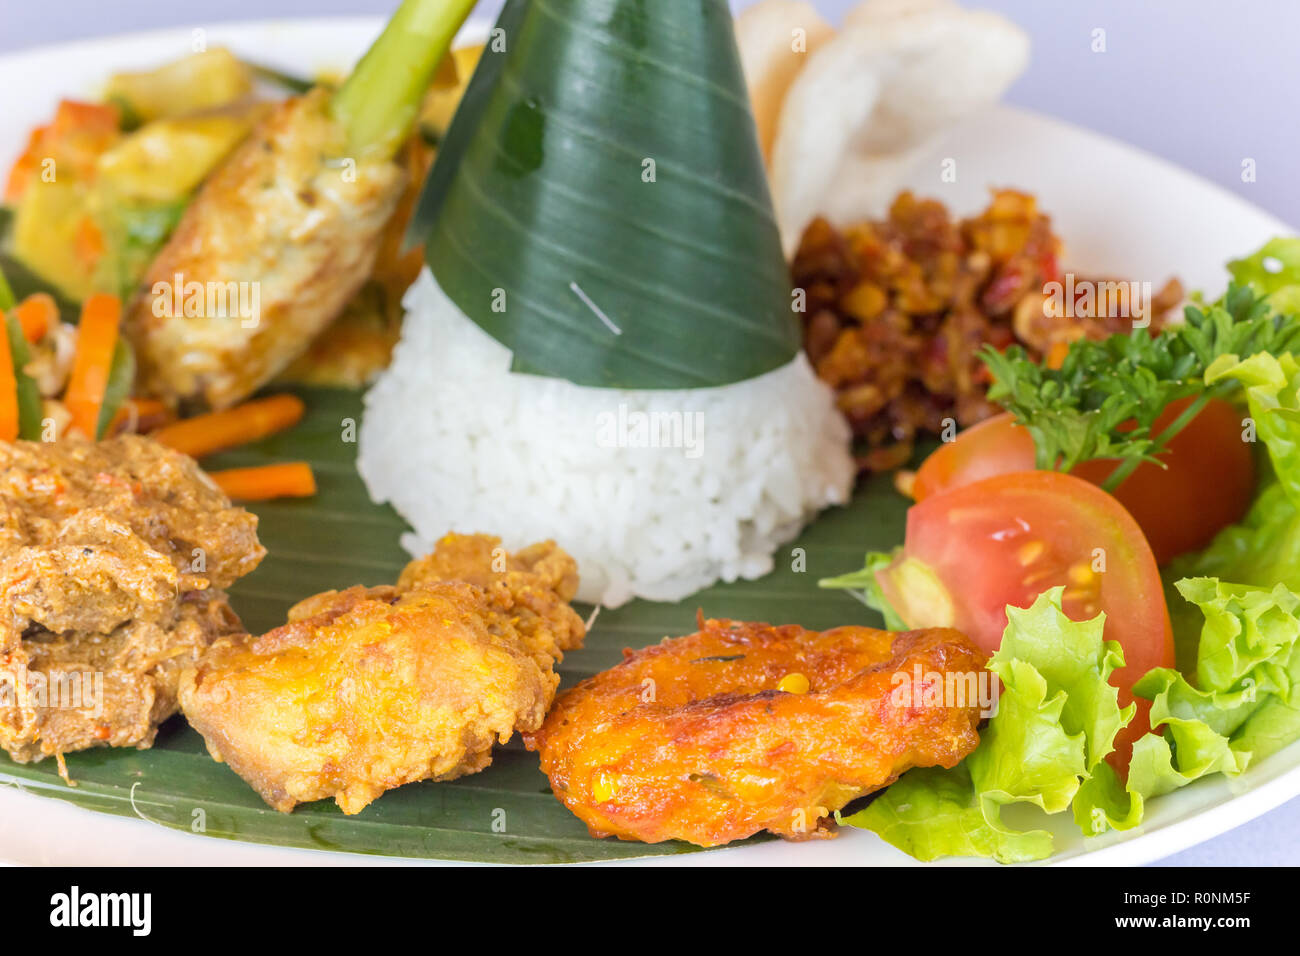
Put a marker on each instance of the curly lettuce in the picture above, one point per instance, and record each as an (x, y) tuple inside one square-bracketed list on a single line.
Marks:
[(1264, 548), (1058, 716), (1056, 721), (1272, 389), (1245, 703), (1273, 271)]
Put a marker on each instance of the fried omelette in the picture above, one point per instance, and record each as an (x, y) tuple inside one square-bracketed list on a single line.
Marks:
[(746, 727), (368, 689), (113, 557)]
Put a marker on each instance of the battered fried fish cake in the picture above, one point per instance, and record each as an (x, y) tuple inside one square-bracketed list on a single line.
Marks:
[(371, 688), (746, 727)]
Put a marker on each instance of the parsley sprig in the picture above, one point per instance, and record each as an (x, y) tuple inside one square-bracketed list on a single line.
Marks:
[(1105, 397)]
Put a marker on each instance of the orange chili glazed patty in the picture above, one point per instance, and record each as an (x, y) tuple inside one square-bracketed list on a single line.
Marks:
[(744, 727)]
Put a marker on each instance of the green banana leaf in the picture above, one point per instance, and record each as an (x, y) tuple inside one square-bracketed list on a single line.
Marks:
[(600, 206), (339, 538)]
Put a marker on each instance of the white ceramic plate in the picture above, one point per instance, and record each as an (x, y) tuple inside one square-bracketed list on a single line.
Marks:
[(1121, 211)]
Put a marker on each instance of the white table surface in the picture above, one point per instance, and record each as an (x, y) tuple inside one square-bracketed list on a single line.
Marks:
[(1204, 83)]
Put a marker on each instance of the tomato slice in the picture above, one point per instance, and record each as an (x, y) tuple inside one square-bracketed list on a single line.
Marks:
[(1004, 540), (995, 446), (1207, 482)]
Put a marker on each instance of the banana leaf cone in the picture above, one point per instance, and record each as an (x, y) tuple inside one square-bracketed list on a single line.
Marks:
[(600, 205)]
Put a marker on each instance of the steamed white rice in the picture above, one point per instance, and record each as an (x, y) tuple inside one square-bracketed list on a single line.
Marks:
[(457, 442)]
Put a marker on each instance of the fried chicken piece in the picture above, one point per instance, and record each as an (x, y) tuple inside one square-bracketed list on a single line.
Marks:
[(288, 211), (746, 727), (113, 557), (538, 582), (368, 689)]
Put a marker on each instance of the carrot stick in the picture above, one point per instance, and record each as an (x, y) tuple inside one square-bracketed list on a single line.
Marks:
[(8, 392), (23, 172), (216, 431), (139, 415), (37, 314), (96, 339), (78, 134), (289, 480), (88, 241)]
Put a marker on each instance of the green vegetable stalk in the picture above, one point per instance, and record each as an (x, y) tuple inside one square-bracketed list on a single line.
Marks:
[(378, 104), (1161, 441), (6, 294), (29, 396)]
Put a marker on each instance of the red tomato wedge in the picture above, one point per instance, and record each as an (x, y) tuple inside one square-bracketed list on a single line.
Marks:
[(1207, 482), (1004, 540), (995, 446)]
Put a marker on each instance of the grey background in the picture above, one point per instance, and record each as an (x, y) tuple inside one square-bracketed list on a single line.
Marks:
[(1204, 83)]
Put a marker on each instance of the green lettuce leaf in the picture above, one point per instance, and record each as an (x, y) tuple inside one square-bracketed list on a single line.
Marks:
[(1248, 635), (1275, 725), (1264, 548), (1245, 704), (1058, 716), (1075, 662), (1233, 701), (1103, 803), (1260, 551), (1272, 387), (1275, 271), (931, 813), (1056, 721)]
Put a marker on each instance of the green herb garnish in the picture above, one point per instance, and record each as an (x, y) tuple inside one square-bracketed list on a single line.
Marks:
[(1105, 398)]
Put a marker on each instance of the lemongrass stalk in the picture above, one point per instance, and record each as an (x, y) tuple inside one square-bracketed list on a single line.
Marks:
[(378, 104)]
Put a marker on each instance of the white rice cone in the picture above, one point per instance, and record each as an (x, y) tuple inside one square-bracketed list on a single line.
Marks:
[(457, 442)]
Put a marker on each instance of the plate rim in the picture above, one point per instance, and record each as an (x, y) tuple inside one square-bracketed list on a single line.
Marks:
[(1141, 848)]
